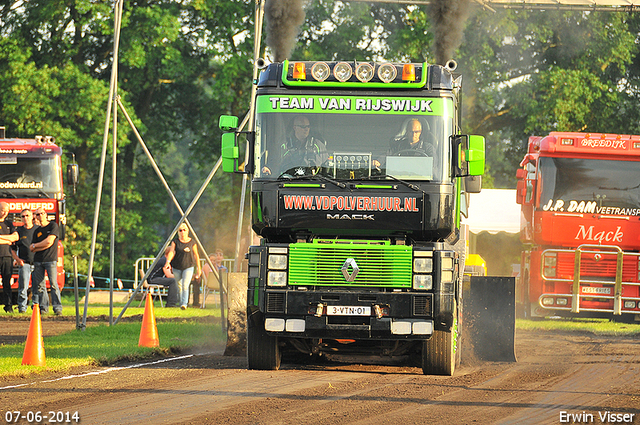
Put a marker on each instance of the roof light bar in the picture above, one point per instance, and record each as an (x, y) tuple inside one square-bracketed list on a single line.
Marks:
[(354, 74)]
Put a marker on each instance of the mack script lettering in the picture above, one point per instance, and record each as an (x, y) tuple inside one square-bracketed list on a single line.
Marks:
[(590, 234)]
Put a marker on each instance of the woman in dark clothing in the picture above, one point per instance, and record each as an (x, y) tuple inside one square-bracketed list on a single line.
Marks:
[(183, 258)]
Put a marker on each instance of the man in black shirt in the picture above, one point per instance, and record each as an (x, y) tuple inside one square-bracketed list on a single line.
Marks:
[(44, 245), (8, 236), (161, 276), (23, 257)]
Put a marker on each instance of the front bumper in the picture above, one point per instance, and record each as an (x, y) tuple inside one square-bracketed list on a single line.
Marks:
[(392, 315)]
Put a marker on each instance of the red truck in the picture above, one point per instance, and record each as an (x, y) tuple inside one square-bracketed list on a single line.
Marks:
[(580, 198), (31, 177)]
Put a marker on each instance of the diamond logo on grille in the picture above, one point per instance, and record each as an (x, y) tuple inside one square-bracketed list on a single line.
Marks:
[(350, 262)]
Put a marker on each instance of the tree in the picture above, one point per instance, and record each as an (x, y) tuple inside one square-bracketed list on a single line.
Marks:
[(539, 71), (181, 65)]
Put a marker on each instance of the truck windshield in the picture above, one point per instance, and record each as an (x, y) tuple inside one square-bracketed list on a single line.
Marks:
[(344, 146), (22, 177), (589, 186)]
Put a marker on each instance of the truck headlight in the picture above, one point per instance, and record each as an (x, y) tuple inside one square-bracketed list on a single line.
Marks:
[(550, 260), (277, 262), (446, 263), (277, 278), (422, 265), (423, 281), (550, 264), (447, 276)]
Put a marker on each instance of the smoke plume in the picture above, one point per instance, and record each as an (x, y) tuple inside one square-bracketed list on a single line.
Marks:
[(448, 17), (283, 19)]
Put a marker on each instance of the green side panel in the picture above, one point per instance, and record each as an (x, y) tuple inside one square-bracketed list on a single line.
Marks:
[(380, 264), (314, 185)]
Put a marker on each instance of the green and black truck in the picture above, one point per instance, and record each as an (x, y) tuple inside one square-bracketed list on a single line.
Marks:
[(359, 226)]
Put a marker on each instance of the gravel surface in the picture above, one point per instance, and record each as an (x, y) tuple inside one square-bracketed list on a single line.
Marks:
[(556, 374)]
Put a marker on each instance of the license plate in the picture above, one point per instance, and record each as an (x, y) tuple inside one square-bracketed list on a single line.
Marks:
[(345, 310), (596, 290)]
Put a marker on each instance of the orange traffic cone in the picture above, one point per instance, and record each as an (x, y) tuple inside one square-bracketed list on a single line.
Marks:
[(149, 331), (34, 348)]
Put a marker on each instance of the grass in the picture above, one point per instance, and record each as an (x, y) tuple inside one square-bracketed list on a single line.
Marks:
[(594, 326), (101, 344)]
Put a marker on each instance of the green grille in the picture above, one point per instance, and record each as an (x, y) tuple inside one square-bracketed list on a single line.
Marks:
[(320, 263)]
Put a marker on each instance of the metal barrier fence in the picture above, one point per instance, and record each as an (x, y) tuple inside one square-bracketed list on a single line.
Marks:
[(142, 264)]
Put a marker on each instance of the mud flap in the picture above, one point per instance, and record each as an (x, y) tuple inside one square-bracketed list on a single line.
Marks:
[(237, 315), (489, 314)]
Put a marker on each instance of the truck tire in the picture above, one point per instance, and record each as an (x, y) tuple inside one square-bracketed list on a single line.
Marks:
[(263, 352), (440, 353)]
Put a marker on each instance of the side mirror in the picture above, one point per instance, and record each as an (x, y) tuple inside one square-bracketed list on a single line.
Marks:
[(73, 172), (230, 151), (521, 190), (475, 155), (470, 155)]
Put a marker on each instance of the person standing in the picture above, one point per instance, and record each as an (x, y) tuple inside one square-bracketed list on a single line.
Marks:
[(44, 245), (23, 257), (8, 236), (183, 257)]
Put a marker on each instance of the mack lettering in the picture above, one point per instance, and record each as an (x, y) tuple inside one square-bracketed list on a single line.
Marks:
[(370, 217), (591, 234)]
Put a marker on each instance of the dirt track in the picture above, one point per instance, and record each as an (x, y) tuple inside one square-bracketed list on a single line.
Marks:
[(556, 373)]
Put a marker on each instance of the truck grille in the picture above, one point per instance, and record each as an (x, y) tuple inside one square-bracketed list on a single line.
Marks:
[(275, 302), (421, 306), (604, 268), (320, 263)]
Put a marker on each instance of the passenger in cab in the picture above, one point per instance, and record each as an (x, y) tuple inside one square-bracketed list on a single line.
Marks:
[(411, 139)]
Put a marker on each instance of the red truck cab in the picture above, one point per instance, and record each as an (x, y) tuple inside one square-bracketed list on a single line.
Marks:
[(580, 198)]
